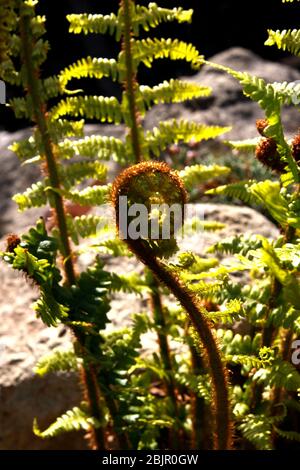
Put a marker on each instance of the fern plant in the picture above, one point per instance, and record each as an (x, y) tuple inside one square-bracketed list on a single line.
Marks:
[(115, 397), (223, 389)]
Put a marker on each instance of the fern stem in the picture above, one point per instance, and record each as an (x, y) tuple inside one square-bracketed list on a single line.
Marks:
[(130, 81), (41, 122), (123, 185), (217, 370), (164, 349), (201, 415)]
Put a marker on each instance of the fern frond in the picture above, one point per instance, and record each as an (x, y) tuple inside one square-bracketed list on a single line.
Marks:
[(206, 290), (258, 430), (35, 196), (76, 172), (173, 91), (89, 67), (56, 361), (92, 196), (232, 311), (168, 132), (290, 435), (147, 50), (86, 23), (21, 107), (51, 88), (85, 226), (244, 145), (153, 15), (270, 97), (102, 108), (62, 128), (73, 420), (198, 174), (287, 40), (25, 149), (95, 146), (266, 193), (114, 247), (238, 244), (281, 374), (49, 310), (130, 283)]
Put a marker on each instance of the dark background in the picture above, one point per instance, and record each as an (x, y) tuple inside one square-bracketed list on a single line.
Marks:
[(216, 26)]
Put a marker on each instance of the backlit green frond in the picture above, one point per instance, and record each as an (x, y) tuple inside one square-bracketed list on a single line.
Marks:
[(95, 146), (266, 193), (87, 23), (173, 91), (131, 283), (104, 109), (90, 67), (25, 149), (76, 172), (85, 226), (168, 132), (62, 128), (232, 311), (244, 145), (153, 15), (92, 196), (258, 430), (146, 50), (280, 374), (73, 420), (56, 361), (198, 174), (35, 196), (286, 40), (238, 244)]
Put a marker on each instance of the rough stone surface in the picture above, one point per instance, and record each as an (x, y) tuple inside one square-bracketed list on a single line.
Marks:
[(23, 339), (227, 105)]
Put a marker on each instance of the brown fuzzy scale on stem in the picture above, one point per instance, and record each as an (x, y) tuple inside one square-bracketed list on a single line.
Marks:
[(125, 185)]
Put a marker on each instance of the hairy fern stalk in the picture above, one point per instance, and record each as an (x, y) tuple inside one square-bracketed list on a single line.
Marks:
[(222, 390)]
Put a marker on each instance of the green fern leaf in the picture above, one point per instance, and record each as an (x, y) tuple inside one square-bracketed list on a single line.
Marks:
[(92, 196), (56, 361), (104, 109), (198, 174), (49, 310), (287, 40), (73, 420), (173, 91), (258, 430), (75, 173), (172, 131), (95, 146), (290, 435), (90, 67), (35, 196), (99, 24), (146, 50)]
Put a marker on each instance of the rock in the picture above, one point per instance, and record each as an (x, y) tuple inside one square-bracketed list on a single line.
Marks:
[(24, 339), (227, 105)]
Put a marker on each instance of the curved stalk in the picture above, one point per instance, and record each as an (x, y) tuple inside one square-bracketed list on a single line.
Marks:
[(123, 186)]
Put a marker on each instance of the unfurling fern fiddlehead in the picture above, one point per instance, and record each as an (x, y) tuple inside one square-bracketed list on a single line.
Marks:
[(153, 182)]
